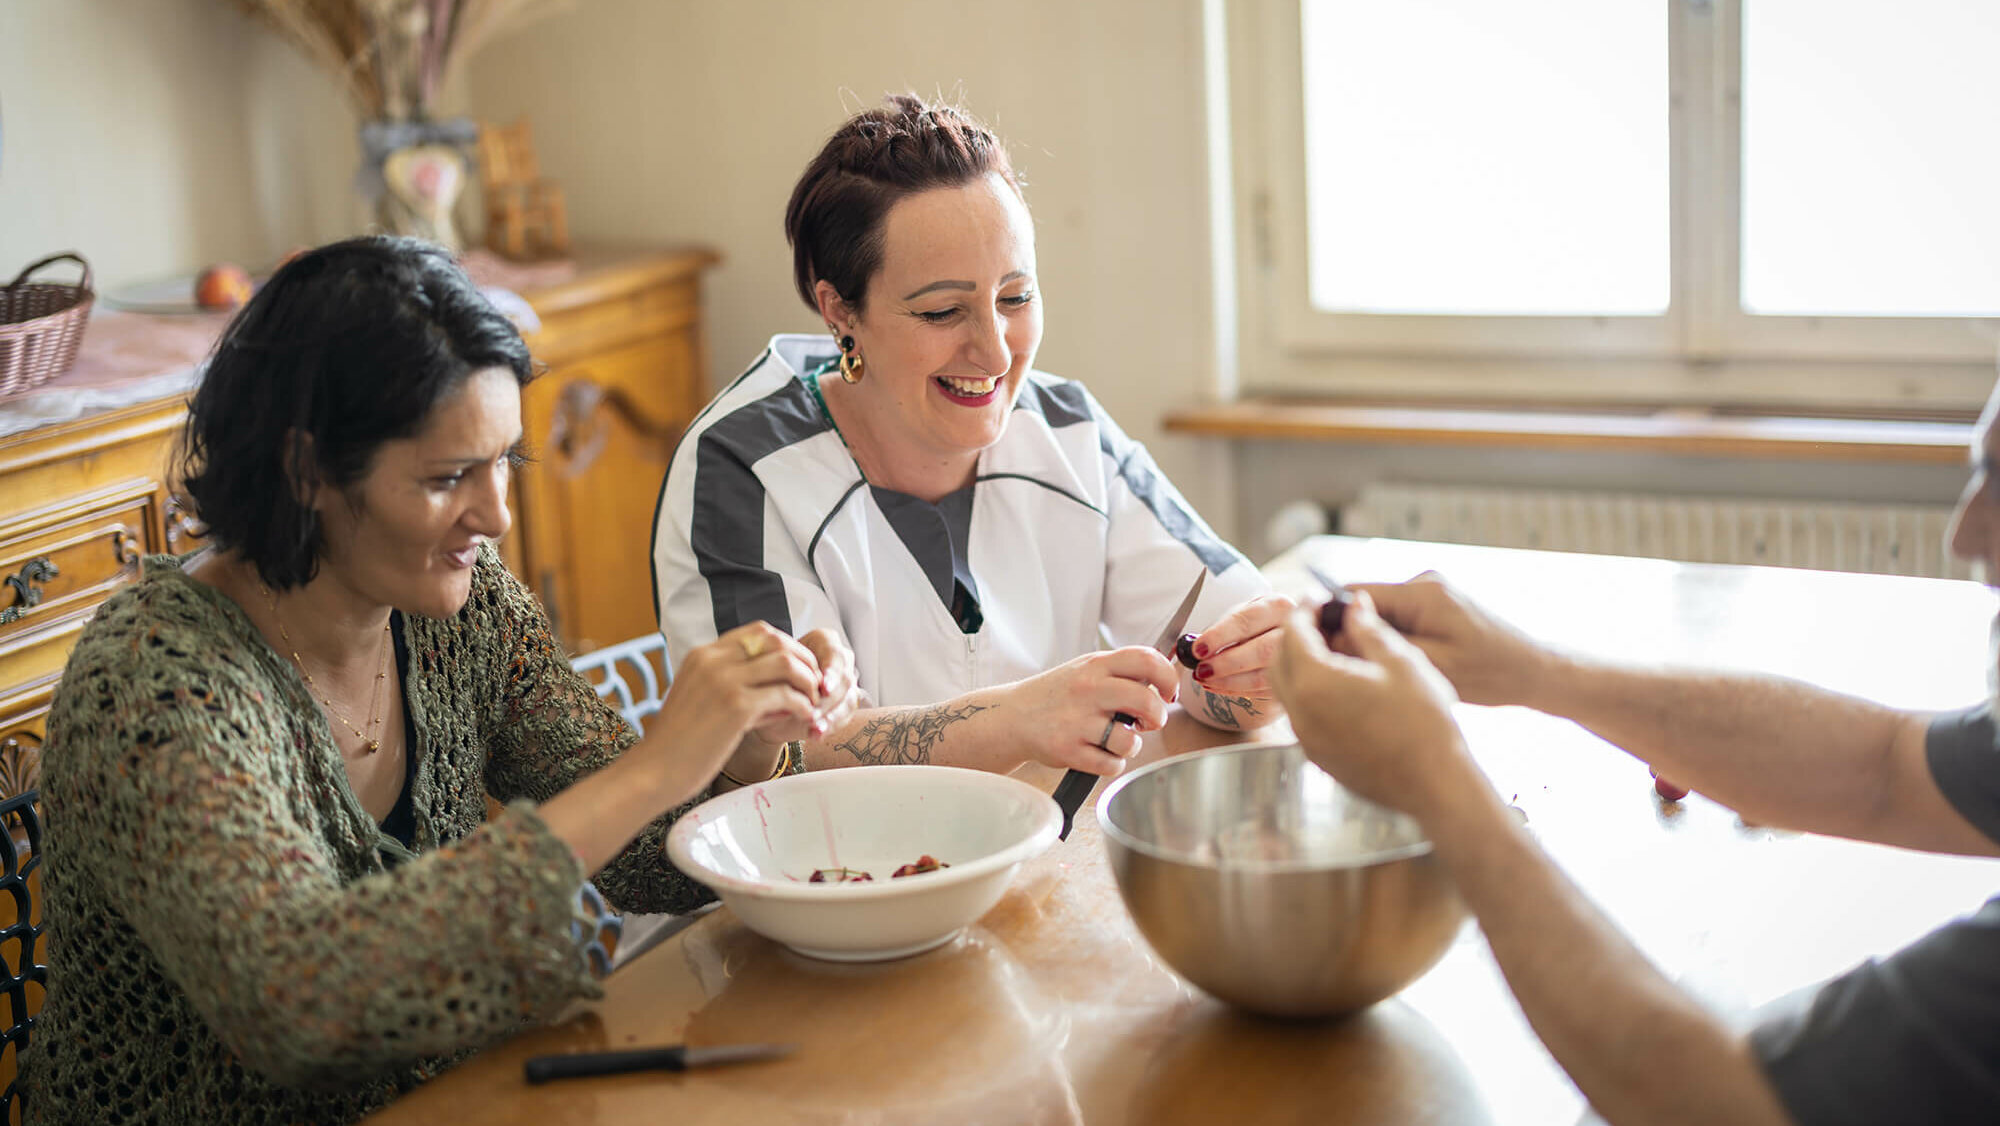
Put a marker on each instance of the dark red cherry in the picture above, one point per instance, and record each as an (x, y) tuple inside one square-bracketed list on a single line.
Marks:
[(1668, 790), (1332, 612), (1184, 651)]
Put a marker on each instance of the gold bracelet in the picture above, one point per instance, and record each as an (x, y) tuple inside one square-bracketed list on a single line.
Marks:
[(786, 755)]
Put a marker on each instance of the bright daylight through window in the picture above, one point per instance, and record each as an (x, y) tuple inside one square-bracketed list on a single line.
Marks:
[(1470, 157), (1871, 158), (1713, 182)]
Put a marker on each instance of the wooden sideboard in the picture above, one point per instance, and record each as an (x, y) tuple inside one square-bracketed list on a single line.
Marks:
[(627, 373), (81, 501)]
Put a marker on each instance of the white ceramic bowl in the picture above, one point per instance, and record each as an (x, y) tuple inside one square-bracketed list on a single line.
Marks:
[(758, 847)]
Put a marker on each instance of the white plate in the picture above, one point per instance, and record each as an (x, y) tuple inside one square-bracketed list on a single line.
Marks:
[(162, 295)]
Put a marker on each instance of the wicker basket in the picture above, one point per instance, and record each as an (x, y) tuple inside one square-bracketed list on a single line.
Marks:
[(41, 324)]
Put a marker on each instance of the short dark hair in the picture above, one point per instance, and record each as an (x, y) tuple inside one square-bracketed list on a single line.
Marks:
[(835, 217), (344, 348)]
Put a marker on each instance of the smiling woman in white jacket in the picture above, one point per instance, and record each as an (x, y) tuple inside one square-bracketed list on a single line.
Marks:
[(975, 529)]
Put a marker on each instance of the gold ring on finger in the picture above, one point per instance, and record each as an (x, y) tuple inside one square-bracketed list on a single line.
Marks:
[(753, 646)]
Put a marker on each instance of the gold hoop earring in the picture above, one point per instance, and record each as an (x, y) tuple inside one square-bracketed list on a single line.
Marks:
[(851, 364)]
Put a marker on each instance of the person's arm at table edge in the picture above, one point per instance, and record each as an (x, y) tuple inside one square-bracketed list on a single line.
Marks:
[(968, 730), (975, 730), (1778, 751), (1639, 1048), (1061, 717)]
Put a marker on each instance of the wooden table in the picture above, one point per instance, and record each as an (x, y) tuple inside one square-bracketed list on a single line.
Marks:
[(1052, 1009)]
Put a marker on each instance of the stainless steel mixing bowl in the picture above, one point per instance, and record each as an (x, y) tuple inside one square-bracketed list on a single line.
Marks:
[(1265, 882)]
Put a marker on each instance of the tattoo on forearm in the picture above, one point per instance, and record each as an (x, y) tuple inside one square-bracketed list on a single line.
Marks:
[(1222, 709), (905, 737)]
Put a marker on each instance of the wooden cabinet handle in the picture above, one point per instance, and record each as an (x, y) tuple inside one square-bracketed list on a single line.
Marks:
[(578, 431), (125, 544), (181, 526), (27, 595)]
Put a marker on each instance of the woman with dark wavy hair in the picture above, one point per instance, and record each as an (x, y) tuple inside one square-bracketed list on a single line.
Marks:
[(273, 891)]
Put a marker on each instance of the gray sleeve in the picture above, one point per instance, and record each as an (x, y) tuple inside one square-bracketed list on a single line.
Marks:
[(723, 554), (1913, 1038), (1964, 752)]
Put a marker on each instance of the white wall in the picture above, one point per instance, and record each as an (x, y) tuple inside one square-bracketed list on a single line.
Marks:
[(156, 136), (686, 120), (159, 137), (88, 165), (163, 135)]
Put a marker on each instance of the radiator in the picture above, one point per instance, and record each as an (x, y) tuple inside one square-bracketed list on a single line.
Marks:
[(1885, 539)]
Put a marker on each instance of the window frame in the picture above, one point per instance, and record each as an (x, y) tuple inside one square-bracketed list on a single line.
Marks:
[(1703, 350)]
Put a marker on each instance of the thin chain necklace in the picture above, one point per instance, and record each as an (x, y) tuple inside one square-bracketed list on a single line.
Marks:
[(374, 700)]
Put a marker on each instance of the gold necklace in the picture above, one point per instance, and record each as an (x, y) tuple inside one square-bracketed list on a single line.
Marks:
[(374, 700)]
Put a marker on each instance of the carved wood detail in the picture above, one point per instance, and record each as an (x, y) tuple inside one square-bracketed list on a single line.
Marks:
[(20, 770)]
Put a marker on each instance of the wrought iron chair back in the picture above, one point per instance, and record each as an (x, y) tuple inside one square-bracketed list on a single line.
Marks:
[(633, 674), (21, 941)]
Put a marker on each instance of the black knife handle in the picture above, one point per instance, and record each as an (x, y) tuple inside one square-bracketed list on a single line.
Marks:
[(1077, 784), (577, 1065), (1070, 792)]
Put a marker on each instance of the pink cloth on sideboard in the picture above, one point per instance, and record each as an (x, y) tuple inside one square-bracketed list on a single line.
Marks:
[(125, 358)]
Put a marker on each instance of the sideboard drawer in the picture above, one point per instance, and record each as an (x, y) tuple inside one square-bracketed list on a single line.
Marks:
[(57, 564)]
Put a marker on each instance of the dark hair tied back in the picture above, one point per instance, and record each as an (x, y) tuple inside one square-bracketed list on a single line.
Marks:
[(344, 348), (835, 217)]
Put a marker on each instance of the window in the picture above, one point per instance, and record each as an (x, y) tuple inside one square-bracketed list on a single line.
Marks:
[(1847, 113), (1778, 201), (1528, 144)]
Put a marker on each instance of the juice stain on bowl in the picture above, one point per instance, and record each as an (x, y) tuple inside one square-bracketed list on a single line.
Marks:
[(760, 801), (826, 824)]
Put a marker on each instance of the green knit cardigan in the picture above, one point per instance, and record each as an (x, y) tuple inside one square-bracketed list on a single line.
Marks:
[(226, 943)]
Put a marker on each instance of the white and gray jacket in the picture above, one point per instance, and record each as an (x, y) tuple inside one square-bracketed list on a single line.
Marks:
[(1069, 537)]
